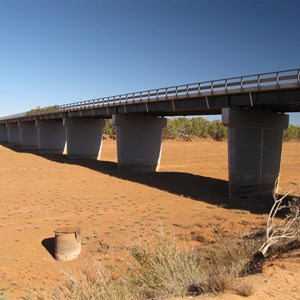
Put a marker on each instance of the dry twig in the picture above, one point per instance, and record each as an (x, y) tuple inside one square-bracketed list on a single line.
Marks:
[(287, 228)]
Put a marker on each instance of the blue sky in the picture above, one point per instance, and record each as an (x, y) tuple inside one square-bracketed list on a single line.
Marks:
[(56, 52)]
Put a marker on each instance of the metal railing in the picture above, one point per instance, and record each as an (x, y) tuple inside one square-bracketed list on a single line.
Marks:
[(240, 84)]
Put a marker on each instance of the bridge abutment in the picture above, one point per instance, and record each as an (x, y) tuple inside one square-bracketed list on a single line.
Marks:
[(3, 134), (13, 134), (51, 136), (84, 137), (139, 141), (28, 135), (254, 149)]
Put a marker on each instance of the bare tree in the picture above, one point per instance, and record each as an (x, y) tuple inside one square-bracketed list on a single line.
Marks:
[(282, 229)]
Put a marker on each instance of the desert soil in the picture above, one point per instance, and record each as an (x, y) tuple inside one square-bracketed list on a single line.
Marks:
[(116, 209)]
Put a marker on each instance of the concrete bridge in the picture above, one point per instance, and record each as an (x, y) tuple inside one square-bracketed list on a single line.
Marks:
[(253, 107)]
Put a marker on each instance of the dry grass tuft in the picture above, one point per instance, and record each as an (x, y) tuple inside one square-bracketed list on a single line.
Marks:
[(244, 289), (159, 271)]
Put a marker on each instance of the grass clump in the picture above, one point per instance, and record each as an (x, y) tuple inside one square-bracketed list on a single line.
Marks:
[(89, 281), (244, 289), (164, 270), (161, 270)]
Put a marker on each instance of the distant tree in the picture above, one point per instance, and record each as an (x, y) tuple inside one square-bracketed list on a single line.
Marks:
[(40, 110), (188, 128), (217, 131), (200, 127), (109, 129), (292, 133)]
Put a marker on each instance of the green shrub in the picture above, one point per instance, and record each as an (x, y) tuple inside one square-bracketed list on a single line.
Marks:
[(109, 128), (189, 128), (292, 133), (41, 110), (217, 131)]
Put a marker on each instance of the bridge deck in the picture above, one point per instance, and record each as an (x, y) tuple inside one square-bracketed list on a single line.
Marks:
[(275, 91)]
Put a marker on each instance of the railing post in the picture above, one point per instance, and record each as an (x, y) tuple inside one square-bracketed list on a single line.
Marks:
[(199, 89), (277, 79), (242, 83)]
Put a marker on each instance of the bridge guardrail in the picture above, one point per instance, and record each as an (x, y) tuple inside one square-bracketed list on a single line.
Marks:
[(254, 82)]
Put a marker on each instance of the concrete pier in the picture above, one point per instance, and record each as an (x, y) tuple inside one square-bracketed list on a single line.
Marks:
[(13, 134), (139, 141), (51, 136), (254, 149), (84, 137), (28, 135), (3, 133)]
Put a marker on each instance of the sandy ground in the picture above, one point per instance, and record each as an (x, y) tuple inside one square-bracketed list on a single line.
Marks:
[(113, 209)]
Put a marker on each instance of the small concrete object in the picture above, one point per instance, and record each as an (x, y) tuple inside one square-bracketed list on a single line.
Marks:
[(67, 243)]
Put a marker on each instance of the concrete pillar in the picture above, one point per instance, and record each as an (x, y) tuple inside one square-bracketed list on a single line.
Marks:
[(13, 134), (28, 135), (254, 149), (139, 140), (84, 137), (3, 133), (51, 136)]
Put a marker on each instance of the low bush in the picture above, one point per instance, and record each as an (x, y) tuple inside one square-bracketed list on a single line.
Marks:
[(292, 133), (198, 127), (109, 129), (161, 270)]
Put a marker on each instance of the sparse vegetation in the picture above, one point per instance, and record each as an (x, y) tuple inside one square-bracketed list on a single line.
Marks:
[(198, 127), (292, 133), (184, 128), (188, 128), (109, 129), (40, 110), (156, 271)]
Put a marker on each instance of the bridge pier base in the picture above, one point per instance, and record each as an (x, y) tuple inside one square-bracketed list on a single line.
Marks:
[(254, 149), (139, 140), (51, 136), (28, 135), (13, 134), (84, 138), (3, 134)]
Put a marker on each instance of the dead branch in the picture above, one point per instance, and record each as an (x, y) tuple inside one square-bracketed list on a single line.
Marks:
[(287, 228)]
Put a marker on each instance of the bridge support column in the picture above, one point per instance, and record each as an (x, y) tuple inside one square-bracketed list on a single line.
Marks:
[(254, 149), (84, 137), (51, 136), (139, 140), (28, 135), (13, 134), (3, 133)]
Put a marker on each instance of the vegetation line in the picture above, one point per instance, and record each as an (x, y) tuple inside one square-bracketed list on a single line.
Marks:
[(198, 127)]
